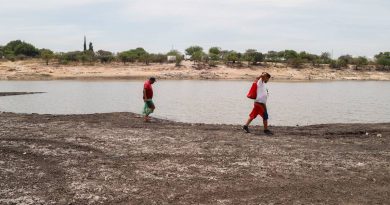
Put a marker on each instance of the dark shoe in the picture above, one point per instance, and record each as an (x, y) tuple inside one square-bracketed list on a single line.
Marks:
[(268, 132), (246, 129)]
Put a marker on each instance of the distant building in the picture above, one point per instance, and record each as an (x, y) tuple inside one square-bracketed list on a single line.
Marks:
[(171, 59), (187, 57)]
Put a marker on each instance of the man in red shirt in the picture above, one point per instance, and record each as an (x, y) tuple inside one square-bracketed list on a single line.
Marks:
[(147, 96)]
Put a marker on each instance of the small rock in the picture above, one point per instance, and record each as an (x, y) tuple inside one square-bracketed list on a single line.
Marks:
[(24, 152), (379, 135), (366, 133), (360, 164)]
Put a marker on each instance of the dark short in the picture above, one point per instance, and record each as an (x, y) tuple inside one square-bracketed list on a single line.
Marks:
[(150, 104)]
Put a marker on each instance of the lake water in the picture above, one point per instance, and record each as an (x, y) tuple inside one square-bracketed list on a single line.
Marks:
[(289, 103)]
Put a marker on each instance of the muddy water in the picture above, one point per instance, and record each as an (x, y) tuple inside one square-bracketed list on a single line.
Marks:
[(290, 103)]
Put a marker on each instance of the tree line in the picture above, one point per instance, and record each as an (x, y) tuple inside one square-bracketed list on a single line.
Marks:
[(20, 50)]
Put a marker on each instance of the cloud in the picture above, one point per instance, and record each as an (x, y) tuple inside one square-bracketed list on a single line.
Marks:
[(39, 5), (196, 16), (357, 26), (56, 37), (144, 10)]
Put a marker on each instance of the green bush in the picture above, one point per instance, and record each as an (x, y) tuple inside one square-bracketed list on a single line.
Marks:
[(71, 56), (179, 59), (104, 56), (20, 48), (383, 60), (213, 59), (253, 57), (1, 52), (197, 56), (46, 55), (295, 62), (337, 64), (194, 49), (346, 60), (231, 57), (272, 56), (127, 56), (325, 58), (215, 51), (360, 61), (158, 58)]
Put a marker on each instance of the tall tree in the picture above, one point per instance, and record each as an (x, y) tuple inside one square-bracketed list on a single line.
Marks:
[(85, 44), (90, 47), (326, 57), (197, 56), (193, 49), (215, 50)]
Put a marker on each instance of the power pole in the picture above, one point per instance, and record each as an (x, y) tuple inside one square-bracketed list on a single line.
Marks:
[(332, 54)]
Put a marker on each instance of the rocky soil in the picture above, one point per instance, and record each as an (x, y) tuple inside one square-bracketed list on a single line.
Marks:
[(116, 158)]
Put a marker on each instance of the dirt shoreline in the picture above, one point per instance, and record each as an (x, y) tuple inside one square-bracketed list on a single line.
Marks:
[(2, 94), (37, 70), (115, 158)]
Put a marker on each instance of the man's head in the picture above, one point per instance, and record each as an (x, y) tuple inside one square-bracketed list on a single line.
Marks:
[(152, 80), (265, 76)]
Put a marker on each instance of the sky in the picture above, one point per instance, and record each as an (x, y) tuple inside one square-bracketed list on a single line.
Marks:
[(356, 27)]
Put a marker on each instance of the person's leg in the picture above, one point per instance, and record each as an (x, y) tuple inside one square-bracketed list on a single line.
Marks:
[(248, 121), (264, 114), (148, 109), (151, 110), (147, 118), (252, 116), (265, 123), (152, 107)]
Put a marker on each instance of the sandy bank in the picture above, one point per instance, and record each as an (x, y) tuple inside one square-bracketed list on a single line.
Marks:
[(37, 70), (115, 158)]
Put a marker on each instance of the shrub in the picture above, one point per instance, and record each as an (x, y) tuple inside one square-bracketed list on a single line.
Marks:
[(104, 56), (383, 60), (18, 47), (46, 55), (193, 49)]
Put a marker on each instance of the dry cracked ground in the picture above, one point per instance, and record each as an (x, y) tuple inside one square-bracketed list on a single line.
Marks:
[(115, 158)]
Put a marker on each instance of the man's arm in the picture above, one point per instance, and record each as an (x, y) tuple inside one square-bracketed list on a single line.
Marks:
[(144, 97), (261, 76)]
